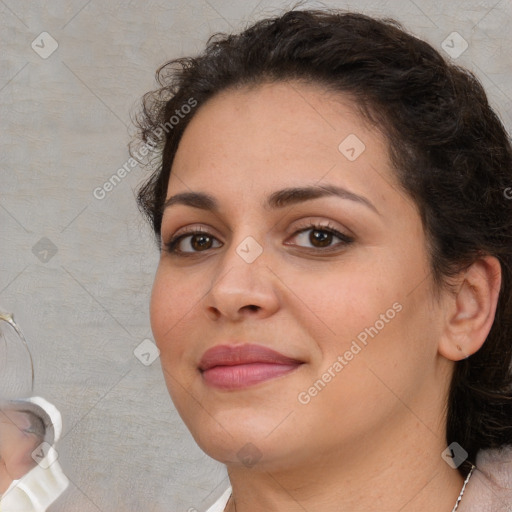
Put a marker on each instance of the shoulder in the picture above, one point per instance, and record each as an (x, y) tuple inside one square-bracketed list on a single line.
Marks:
[(490, 486)]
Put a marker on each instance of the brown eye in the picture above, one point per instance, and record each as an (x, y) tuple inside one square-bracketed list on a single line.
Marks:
[(318, 237), (191, 243), (200, 241)]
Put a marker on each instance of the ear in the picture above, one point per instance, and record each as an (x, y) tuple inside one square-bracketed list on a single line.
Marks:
[(470, 311)]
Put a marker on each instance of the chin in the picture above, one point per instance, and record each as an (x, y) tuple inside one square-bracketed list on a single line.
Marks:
[(236, 436), (242, 451)]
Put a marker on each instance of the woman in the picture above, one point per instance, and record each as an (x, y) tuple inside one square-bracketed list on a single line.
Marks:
[(21, 432), (333, 300), (31, 478)]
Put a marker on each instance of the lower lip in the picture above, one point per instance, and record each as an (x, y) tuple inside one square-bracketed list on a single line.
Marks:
[(244, 375)]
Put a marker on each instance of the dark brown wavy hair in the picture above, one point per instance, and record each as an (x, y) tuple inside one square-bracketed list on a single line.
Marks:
[(450, 151)]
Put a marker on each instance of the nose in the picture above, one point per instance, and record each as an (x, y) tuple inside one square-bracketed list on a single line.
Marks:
[(242, 287)]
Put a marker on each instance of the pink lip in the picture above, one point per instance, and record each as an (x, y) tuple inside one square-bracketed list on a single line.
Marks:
[(240, 366)]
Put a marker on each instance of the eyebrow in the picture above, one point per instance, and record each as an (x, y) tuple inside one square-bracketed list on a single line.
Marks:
[(279, 199)]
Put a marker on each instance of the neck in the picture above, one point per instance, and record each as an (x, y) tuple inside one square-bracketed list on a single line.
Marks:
[(407, 473)]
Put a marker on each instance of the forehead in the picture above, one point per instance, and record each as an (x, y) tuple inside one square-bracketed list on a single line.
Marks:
[(279, 115), (271, 136)]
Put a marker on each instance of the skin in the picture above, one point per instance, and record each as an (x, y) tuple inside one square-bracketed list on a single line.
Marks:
[(16, 447), (372, 438)]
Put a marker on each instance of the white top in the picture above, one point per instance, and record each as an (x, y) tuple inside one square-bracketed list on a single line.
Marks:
[(220, 504), (36, 490)]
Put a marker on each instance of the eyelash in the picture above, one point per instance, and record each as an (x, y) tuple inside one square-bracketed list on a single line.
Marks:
[(171, 245)]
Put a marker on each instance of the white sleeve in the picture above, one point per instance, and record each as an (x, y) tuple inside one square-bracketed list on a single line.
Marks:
[(220, 504)]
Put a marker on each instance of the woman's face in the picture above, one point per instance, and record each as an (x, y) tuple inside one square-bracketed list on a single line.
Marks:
[(16, 443), (351, 314)]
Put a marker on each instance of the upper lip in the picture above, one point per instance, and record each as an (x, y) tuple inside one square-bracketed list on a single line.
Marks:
[(231, 355)]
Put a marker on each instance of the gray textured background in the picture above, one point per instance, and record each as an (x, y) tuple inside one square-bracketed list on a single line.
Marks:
[(84, 308)]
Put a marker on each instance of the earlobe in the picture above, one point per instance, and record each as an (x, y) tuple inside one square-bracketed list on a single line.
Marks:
[(471, 310)]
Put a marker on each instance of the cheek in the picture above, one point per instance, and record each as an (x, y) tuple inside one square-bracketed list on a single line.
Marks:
[(387, 338), (158, 308), (369, 313), (17, 447), (173, 316), (168, 306), (174, 311), (340, 304), (22, 461)]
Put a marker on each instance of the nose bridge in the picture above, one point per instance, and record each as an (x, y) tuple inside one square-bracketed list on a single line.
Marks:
[(246, 247), (242, 278), (241, 264)]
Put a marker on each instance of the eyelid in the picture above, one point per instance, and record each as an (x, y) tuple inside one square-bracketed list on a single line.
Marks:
[(312, 222), (191, 230)]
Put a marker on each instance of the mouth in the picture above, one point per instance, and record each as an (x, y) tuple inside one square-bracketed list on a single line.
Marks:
[(231, 367)]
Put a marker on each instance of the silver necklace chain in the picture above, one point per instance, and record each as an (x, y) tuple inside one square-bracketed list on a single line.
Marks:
[(463, 488), (456, 503)]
